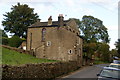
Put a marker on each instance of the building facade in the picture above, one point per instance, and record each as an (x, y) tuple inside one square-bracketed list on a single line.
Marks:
[(56, 40)]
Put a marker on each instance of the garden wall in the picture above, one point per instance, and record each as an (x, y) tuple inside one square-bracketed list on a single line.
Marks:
[(39, 71)]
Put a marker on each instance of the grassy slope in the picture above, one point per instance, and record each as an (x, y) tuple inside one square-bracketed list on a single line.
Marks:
[(100, 62), (14, 58)]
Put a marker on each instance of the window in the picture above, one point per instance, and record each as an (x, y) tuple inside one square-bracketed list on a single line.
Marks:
[(77, 33), (79, 52), (30, 41), (43, 34), (70, 29), (48, 43), (79, 41), (70, 51)]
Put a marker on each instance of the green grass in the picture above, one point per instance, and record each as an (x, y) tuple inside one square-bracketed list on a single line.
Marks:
[(11, 57), (100, 62), (0, 55)]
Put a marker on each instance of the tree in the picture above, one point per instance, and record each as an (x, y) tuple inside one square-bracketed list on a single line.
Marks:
[(89, 48), (3, 33), (113, 52), (117, 44), (103, 50), (3, 37), (93, 30), (18, 20), (15, 41)]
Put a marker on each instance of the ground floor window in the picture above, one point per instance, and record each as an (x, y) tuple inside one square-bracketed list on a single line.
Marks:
[(70, 51), (48, 43)]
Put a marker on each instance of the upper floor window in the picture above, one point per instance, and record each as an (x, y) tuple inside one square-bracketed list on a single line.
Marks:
[(30, 41), (79, 41), (43, 34)]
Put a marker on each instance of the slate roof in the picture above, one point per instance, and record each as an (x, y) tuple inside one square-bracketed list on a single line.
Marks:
[(45, 24)]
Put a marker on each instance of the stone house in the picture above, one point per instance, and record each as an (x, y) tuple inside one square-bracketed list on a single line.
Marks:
[(56, 40), (23, 45)]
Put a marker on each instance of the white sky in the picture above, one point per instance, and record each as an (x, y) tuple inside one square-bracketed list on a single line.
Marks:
[(105, 10)]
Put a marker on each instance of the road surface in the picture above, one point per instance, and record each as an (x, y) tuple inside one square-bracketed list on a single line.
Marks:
[(86, 73)]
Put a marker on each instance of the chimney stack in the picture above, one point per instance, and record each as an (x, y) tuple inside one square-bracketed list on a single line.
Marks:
[(50, 20), (38, 20), (60, 20)]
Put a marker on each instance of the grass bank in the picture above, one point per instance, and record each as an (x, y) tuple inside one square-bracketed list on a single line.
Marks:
[(11, 57)]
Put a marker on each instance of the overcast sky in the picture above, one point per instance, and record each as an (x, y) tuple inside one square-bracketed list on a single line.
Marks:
[(105, 10)]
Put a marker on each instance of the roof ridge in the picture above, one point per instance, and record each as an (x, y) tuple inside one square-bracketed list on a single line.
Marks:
[(54, 23)]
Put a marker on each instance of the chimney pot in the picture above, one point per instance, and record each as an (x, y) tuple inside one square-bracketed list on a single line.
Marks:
[(60, 14), (38, 20), (50, 20)]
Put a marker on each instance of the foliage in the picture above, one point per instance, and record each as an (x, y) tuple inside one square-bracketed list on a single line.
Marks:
[(18, 20), (4, 40), (89, 48), (23, 39), (113, 52), (117, 44), (14, 58), (93, 30), (15, 41), (3, 33), (100, 62), (3, 37), (103, 50), (95, 37)]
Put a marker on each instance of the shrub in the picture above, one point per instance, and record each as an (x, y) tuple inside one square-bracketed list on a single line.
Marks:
[(4, 40), (15, 41), (23, 39)]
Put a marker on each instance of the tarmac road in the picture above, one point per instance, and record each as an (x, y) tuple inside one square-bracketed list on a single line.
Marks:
[(86, 73)]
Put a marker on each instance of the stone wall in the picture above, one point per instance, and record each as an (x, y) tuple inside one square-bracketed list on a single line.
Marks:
[(64, 43), (39, 71), (42, 70), (86, 61), (18, 50)]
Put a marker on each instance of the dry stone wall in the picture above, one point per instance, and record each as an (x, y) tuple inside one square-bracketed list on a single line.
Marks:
[(38, 71), (18, 50)]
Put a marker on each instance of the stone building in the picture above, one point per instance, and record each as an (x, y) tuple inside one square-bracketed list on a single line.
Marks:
[(56, 40), (23, 45)]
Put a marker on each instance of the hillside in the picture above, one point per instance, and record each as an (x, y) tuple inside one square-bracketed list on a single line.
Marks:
[(15, 58)]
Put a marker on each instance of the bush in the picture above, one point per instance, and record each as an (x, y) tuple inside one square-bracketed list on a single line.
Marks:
[(4, 40), (15, 41), (23, 39)]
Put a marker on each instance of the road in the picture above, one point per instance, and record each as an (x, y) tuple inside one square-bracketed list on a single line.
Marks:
[(88, 72)]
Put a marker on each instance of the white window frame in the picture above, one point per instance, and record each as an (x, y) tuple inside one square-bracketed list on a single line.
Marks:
[(70, 51), (48, 43)]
